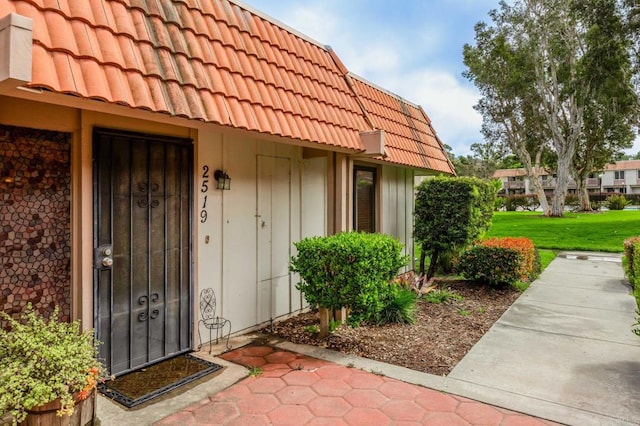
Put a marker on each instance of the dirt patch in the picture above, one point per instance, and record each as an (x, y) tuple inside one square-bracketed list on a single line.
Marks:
[(441, 336)]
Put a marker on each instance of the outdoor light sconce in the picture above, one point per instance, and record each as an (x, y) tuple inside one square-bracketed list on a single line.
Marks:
[(223, 181)]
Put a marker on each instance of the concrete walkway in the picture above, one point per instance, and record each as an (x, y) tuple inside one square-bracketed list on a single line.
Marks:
[(564, 351)]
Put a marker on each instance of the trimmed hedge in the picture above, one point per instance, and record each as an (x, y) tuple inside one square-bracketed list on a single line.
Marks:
[(450, 213), (500, 260), (631, 253), (631, 265), (350, 269)]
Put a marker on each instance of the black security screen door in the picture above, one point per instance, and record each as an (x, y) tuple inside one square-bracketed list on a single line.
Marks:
[(142, 247)]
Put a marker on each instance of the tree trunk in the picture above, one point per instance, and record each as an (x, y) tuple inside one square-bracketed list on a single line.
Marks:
[(532, 166), (562, 183), (433, 265), (539, 191), (583, 195), (423, 256)]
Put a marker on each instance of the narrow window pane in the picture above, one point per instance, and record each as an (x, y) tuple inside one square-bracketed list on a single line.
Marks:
[(364, 200)]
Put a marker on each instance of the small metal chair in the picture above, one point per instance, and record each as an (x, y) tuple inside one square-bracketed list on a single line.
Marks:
[(209, 319)]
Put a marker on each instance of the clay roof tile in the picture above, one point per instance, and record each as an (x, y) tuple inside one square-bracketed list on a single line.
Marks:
[(214, 60)]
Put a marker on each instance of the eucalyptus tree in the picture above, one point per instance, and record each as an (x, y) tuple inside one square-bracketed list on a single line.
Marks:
[(541, 78), (611, 104)]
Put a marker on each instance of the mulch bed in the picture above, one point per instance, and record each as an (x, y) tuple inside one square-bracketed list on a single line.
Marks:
[(441, 336)]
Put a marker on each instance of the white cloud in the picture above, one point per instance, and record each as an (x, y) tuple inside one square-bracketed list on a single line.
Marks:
[(448, 103), (401, 59), (317, 21)]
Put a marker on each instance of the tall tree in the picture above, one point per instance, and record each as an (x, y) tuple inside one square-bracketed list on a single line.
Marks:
[(535, 70), (611, 107)]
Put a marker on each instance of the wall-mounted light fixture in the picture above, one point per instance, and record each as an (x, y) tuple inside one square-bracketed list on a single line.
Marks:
[(223, 181)]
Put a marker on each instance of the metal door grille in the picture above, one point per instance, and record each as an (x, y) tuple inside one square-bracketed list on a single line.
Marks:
[(142, 216)]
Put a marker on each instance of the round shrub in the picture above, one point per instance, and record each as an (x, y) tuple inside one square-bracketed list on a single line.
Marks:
[(350, 269), (616, 202), (500, 260)]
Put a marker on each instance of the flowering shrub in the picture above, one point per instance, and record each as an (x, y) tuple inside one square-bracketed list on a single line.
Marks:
[(631, 263), (41, 361), (631, 254), (350, 269), (500, 260)]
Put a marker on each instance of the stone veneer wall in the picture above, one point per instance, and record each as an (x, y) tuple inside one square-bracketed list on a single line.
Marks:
[(35, 220)]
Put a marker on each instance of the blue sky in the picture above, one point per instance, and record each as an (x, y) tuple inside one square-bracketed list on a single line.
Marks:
[(410, 47)]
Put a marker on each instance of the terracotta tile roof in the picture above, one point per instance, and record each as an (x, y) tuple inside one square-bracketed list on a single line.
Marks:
[(410, 139), (624, 165), (516, 172), (509, 173), (217, 62), (209, 60)]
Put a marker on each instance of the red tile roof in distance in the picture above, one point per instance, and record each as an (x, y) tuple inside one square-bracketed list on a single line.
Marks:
[(410, 139)]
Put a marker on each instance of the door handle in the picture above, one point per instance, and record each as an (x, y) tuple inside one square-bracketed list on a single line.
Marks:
[(263, 224), (103, 256)]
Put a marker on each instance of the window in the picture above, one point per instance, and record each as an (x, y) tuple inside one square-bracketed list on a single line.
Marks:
[(364, 199), (619, 174)]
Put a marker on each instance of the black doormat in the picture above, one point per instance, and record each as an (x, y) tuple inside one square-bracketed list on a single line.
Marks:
[(142, 385)]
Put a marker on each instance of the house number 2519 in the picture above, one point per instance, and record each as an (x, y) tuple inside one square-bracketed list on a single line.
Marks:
[(204, 188)]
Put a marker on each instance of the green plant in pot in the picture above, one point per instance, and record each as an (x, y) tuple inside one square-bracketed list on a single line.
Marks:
[(42, 361)]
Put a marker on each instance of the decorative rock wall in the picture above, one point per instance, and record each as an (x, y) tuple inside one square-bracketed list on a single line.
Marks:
[(35, 220)]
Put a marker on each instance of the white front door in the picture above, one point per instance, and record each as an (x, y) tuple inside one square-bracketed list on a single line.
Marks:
[(273, 223)]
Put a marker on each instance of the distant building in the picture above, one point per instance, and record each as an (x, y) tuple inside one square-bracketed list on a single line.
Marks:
[(621, 176)]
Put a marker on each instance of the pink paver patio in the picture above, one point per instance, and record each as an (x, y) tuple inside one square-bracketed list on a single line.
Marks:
[(298, 394)]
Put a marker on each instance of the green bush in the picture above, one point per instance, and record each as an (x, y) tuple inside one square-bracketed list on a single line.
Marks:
[(631, 264), (43, 360), (616, 202), (446, 261), (537, 266), (400, 307), (350, 269), (500, 260), (441, 295), (450, 213), (527, 202)]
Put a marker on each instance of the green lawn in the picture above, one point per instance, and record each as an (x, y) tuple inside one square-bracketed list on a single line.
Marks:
[(604, 231), (546, 256)]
